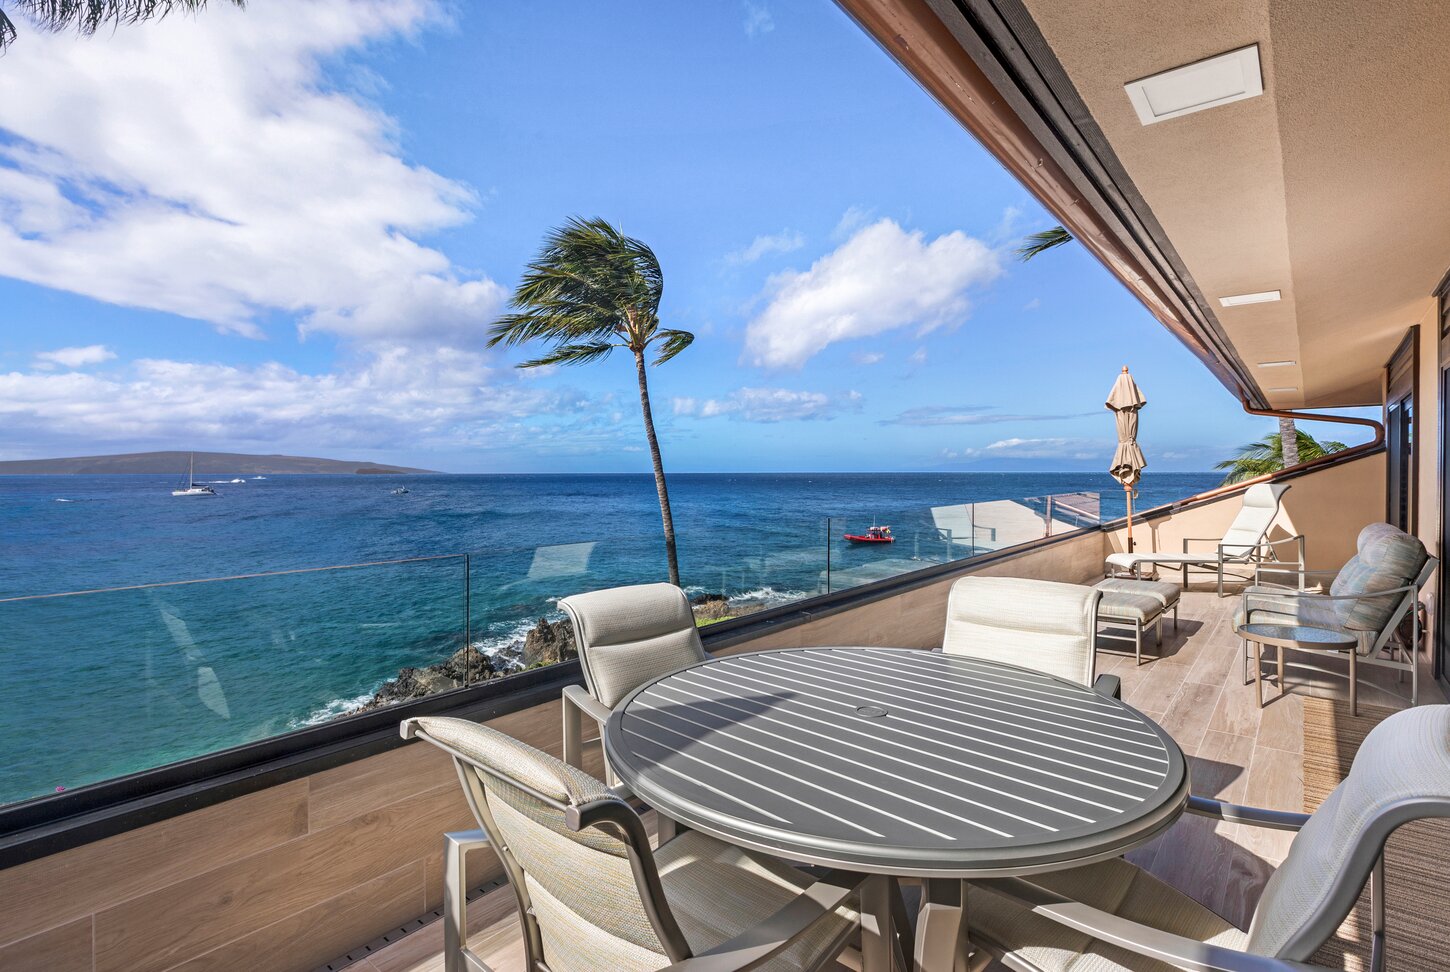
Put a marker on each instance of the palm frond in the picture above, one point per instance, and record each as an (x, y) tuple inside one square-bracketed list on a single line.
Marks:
[(672, 342), (589, 284), (571, 354), (87, 16), (1041, 242), (1266, 456)]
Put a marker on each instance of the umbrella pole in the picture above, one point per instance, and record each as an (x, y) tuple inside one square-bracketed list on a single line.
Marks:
[(1128, 495)]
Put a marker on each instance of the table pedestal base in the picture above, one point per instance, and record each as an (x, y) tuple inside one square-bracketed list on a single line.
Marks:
[(941, 930)]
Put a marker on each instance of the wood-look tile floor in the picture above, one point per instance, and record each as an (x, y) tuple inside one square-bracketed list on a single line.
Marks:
[(1237, 752)]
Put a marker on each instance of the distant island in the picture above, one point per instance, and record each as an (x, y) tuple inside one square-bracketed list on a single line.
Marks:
[(207, 463)]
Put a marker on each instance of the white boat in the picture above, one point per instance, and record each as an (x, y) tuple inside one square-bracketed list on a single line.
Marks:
[(193, 488), (401, 491)]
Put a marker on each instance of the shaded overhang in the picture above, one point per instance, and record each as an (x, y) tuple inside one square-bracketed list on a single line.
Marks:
[(1332, 187)]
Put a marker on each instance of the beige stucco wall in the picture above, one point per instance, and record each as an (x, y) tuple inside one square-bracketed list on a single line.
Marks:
[(1329, 507), (917, 618)]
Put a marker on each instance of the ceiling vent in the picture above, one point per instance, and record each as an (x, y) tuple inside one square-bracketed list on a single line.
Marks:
[(1203, 84)]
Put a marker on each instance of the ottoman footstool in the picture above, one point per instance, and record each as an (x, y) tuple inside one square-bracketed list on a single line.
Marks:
[(1136, 604)]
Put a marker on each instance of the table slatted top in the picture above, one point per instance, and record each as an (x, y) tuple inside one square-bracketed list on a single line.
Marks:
[(898, 761)]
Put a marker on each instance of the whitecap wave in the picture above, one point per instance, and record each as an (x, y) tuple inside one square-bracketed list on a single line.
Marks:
[(768, 596), (62, 500), (335, 709), (259, 477)]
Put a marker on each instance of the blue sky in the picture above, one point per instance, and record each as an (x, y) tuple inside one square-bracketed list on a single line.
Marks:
[(286, 230)]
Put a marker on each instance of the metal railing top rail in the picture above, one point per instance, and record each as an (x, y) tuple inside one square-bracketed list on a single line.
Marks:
[(235, 577)]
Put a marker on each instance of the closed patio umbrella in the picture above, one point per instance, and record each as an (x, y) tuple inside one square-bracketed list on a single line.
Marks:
[(1124, 401)]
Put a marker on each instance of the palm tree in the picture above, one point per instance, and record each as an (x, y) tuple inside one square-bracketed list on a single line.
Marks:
[(87, 15), (1267, 455), (1042, 242), (590, 290)]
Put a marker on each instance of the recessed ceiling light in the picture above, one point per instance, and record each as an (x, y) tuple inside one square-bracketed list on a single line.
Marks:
[(1291, 388), (1193, 87), (1264, 297), (1277, 364)]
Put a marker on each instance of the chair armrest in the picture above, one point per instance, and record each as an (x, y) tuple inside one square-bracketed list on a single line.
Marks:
[(1110, 686), (1188, 540), (1253, 816), (1175, 950), (1395, 591), (579, 696), (778, 932)]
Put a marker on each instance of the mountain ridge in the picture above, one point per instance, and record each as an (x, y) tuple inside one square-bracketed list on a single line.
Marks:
[(207, 463)]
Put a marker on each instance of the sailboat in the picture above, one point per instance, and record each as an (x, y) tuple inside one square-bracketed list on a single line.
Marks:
[(193, 488)]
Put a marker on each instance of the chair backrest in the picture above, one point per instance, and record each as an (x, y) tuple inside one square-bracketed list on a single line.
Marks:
[(1401, 773), (1387, 558), (1251, 526), (1044, 625), (628, 635), (589, 891)]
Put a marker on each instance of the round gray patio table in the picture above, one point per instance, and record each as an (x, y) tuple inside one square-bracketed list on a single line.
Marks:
[(899, 762)]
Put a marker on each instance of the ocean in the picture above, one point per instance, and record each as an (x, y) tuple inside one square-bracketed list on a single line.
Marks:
[(98, 685)]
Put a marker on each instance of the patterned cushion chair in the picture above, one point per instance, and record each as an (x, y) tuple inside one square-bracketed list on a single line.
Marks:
[(594, 897), (1113, 917), (1368, 598), (626, 636)]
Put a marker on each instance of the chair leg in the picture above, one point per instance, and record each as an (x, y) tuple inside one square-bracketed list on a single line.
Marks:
[(1138, 642), (573, 734), (1353, 682), (456, 848), (1259, 673), (1247, 677), (1377, 915), (1158, 630)]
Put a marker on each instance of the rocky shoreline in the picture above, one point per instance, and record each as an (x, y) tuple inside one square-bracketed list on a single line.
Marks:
[(546, 643)]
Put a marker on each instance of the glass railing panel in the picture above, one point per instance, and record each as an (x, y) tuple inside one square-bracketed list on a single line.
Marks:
[(108, 683)]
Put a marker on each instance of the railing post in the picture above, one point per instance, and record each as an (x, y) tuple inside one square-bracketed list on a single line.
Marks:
[(828, 555), (1048, 525), (468, 617)]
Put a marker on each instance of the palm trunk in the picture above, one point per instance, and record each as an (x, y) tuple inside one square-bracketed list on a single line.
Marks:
[(1289, 442), (654, 455)]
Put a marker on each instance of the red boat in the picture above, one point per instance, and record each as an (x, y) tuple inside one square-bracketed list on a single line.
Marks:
[(877, 534)]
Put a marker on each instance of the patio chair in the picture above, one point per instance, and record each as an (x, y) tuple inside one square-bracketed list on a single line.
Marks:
[(1246, 542), (1113, 916), (1042, 625), (1368, 598), (593, 896), (626, 636)]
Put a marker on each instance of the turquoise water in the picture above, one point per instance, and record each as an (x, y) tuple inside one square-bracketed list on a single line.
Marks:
[(99, 685)]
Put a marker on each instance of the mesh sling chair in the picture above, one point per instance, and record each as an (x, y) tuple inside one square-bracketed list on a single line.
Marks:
[(1042, 625), (1111, 916), (1368, 598), (1246, 542), (593, 896), (626, 635)]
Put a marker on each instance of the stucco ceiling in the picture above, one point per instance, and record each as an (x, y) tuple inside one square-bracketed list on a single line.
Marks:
[(1333, 187)]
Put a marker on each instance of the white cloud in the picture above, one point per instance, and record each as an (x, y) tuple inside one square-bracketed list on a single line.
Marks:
[(929, 415), (206, 167), (1032, 304), (918, 357), (392, 396), (758, 19), (867, 358), (769, 405), (853, 219), (1045, 448), (91, 354), (881, 279), (786, 241)]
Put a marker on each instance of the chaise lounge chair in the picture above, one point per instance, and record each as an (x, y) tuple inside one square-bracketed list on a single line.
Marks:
[(1245, 542)]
